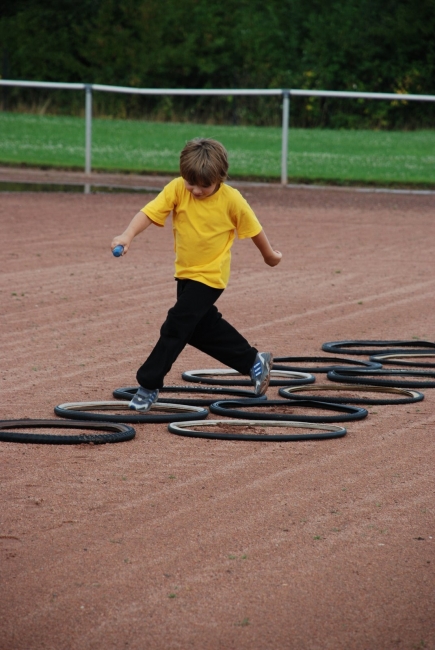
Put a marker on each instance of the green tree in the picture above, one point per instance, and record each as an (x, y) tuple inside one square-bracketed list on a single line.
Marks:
[(376, 45)]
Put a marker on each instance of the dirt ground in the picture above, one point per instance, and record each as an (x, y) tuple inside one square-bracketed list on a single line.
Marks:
[(167, 542)]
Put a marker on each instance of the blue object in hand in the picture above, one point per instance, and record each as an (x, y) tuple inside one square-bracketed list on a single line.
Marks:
[(118, 250)]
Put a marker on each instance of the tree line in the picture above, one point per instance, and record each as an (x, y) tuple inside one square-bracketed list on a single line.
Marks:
[(364, 45)]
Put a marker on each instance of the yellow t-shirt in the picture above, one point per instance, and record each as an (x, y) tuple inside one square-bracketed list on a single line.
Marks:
[(204, 229)]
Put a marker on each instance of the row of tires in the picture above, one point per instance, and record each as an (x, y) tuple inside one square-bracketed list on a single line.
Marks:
[(294, 379)]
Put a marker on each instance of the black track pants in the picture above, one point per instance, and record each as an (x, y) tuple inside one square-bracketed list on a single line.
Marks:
[(194, 319)]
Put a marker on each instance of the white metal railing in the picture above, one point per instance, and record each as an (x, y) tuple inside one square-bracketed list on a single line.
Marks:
[(286, 93)]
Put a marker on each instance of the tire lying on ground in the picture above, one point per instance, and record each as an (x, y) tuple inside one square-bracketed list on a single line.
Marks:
[(406, 395), (158, 412), (243, 409), (406, 360), (385, 378), (105, 432), (186, 429), (396, 347), (278, 377), (214, 391), (338, 362)]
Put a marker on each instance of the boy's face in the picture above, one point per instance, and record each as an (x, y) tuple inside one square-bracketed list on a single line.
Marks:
[(200, 192)]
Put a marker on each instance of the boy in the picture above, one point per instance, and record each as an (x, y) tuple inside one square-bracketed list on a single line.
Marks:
[(206, 214)]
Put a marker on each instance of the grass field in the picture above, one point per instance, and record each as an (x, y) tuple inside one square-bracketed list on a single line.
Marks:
[(379, 157)]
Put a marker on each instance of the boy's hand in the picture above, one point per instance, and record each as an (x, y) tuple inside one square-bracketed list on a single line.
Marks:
[(270, 255), (273, 258), (123, 241), (137, 225)]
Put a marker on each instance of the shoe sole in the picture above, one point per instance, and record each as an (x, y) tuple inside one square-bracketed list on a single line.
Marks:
[(141, 409)]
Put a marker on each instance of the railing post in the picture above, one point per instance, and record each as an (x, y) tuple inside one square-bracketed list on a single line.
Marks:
[(285, 128), (88, 133)]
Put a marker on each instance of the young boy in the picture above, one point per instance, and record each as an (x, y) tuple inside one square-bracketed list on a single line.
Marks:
[(206, 214)]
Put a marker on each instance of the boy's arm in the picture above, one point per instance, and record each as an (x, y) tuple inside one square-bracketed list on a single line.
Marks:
[(270, 256), (138, 224)]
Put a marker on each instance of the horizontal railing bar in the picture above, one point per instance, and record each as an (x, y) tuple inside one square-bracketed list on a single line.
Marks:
[(361, 95), (44, 84), (187, 91), (294, 92)]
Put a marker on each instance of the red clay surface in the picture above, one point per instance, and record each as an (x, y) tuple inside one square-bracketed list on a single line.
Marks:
[(167, 542)]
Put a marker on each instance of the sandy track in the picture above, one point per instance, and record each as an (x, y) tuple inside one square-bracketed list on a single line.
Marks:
[(166, 542)]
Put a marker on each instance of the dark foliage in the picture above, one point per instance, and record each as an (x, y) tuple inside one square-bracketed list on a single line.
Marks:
[(369, 45)]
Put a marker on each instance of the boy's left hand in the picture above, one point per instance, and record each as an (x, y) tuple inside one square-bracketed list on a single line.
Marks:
[(273, 258)]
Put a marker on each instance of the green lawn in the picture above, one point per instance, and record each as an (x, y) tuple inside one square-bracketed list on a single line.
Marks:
[(381, 157)]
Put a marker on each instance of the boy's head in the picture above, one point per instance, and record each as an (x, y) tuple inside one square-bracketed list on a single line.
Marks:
[(204, 162)]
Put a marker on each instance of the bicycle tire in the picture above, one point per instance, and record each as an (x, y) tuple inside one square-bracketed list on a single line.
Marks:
[(117, 432), (80, 411), (337, 361), (345, 347), (374, 378), (398, 359), (331, 431), (234, 409), (289, 378), (411, 396), (129, 391)]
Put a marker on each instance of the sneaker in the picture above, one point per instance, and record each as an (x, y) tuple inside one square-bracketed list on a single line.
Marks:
[(260, 372), (143, 399)]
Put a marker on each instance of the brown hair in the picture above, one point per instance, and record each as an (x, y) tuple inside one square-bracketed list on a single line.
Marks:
[(203, 162)]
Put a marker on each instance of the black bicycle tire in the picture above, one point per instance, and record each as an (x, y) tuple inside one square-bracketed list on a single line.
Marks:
[(127, 392), (71, 411), (360, 377), (178, 429), (234, 409), (398, 359), (189, 375), (292, 392), (354, 362), (119, 432), (345, 347)]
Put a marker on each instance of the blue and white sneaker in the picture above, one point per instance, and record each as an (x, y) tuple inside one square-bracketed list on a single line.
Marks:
[(143, 399), (260, 372)]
